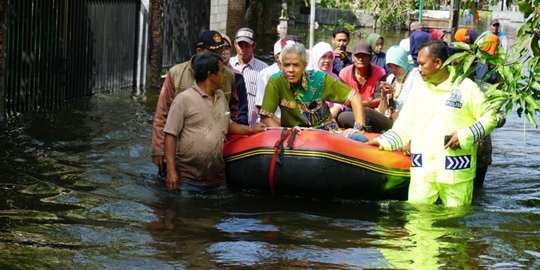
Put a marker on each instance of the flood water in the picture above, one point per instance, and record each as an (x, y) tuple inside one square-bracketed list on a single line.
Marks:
[(78, 191)]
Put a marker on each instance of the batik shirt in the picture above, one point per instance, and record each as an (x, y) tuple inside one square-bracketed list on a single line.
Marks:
[(304, 105)]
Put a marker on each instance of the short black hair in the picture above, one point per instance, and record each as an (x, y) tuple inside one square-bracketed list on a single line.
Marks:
[(341, 30), (205, 62), (436, 49)]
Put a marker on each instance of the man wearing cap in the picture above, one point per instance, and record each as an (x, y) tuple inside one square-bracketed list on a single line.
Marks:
[(240, 82), (245, 62), (364, 77), (302, 94), (265, 74), (197, 124), (179, 78), (494, 29)]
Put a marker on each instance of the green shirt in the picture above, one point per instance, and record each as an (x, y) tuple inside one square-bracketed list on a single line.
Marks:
[(304, 105)]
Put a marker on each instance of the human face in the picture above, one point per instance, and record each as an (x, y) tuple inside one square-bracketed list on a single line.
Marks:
[(494, 28), (398, 71), (428, 67), (293, 67), (378, 46), (326, 62), (244, 50), (361, 60), (226, 53), (340, 39)]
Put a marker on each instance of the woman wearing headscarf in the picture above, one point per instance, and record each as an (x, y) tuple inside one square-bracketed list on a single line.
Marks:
[(379, 57), (321, 57), (437, 34), (462, 35), (398, 84)]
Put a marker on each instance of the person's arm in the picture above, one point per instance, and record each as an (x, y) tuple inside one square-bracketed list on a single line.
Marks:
[(166, 97), (270, 103), (270, 121), (242, 98), (170, 152), (358, 109), (237, 129)]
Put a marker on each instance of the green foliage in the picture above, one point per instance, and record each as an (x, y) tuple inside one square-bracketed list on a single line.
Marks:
[(391, 13), (349, 26), (518, 73)]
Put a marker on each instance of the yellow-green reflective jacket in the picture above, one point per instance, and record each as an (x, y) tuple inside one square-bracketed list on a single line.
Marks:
[(430, 113)]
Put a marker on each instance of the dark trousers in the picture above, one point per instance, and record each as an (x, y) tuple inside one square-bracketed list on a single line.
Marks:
[(374, 119)]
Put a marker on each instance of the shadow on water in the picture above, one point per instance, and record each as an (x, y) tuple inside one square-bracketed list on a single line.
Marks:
[(77, 190)]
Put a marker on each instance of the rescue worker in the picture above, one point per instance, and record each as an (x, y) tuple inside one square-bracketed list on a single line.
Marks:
[(444, 121)]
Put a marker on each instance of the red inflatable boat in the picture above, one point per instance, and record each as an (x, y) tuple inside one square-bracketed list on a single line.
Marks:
[(315, 163)]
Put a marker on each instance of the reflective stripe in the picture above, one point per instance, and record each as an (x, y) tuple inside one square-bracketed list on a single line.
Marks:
[(416, 160), (458, 162), (392, 138), (478, 131)]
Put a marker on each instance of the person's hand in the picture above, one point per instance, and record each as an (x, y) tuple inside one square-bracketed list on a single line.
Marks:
[(350, 131), (341, 54), (454, 142), (259, 128), (172, 180), (373, 142), (159, 161), (386, 88)]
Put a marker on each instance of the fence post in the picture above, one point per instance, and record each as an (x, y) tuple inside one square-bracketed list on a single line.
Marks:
[(156, 46), (3, 28)]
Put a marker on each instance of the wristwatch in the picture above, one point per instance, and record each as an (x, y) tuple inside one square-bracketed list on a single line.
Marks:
[(359, 126)]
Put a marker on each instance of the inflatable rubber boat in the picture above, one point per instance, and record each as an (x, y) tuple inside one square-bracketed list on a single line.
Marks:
[(316, 163)]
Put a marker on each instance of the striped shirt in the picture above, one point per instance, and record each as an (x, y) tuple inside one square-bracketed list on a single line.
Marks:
[(250, 71)]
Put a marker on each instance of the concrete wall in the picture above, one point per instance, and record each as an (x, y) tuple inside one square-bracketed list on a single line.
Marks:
[(330, 16), (218, 15), (510, 21)]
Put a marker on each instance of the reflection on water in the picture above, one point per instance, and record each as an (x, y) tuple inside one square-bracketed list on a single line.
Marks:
[(77, 190)]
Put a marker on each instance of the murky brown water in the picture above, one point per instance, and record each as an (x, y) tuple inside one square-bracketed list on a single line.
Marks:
[(77, 190)]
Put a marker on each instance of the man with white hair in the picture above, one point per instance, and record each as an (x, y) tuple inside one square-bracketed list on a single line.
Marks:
[(302, 94), (265, 74)]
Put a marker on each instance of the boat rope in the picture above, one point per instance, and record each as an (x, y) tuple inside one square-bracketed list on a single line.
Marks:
[(279, 152)]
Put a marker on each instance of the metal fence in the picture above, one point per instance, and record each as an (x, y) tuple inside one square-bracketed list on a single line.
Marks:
[(59, 50), (183, 20)]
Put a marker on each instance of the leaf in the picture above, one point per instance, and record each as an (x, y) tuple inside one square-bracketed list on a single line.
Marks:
[(531, 120), (461, 46), (454, 57), (535, 47)]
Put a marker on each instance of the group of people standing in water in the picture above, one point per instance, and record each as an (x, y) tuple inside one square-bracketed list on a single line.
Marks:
[(406, 94)]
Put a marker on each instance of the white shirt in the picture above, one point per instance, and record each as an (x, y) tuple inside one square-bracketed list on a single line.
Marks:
[(262, 81), (250, 71)]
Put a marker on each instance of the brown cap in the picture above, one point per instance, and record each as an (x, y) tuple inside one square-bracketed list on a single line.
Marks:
[(245, 34), (494, 21), (362, 47), (210, 39)]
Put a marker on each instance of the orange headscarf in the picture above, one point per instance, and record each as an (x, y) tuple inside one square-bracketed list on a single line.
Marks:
[(460, 35), (491, 48)]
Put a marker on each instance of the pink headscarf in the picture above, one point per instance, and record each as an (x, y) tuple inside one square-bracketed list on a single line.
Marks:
[(436, 34), (315, 55)]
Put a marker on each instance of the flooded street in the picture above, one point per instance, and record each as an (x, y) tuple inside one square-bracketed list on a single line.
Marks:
[(78, 191)]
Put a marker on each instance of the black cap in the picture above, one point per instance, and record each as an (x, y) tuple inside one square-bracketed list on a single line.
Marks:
[(210, 39)]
